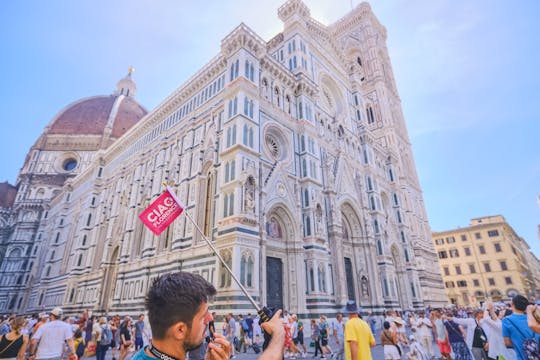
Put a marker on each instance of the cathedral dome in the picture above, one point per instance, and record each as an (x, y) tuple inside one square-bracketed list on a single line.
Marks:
[(94, 115)]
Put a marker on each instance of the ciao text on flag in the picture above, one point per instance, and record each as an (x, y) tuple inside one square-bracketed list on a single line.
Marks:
[(162, 212)]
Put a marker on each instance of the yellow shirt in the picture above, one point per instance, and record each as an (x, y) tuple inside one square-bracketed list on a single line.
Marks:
[(358, 330)]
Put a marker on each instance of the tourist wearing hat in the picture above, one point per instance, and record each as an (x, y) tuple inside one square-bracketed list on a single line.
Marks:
[(417, 351), (49, 339), (358, 336), (401, 334)]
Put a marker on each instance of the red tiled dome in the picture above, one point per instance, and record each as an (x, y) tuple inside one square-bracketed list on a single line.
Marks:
[(90, 116), (8, 193)]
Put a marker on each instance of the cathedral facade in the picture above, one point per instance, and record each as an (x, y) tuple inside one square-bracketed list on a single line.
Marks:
[(291, 155)]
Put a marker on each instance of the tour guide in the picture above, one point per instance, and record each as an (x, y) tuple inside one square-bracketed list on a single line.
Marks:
[(177, 307)]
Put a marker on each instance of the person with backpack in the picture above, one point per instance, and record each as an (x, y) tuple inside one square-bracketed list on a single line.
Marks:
[(516, 331), (103, 339), (79, 343)]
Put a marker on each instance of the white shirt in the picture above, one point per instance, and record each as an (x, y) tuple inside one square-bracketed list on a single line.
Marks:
[(51, 338), (423, 327)]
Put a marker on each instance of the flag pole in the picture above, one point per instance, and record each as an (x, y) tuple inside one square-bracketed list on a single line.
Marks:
[(257, 307)]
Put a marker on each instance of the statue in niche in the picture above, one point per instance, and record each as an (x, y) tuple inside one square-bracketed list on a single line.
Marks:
[(318, 219), (364, 287), (329, 164), (249, 195), (273, 229)]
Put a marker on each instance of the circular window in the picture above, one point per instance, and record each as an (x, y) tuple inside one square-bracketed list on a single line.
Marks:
[(273, 146), (69, 164)]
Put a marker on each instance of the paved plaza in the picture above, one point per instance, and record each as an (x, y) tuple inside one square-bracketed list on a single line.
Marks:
[(376, 353)]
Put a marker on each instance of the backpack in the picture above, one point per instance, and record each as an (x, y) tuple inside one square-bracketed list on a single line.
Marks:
[(530, 346), (80, 349), (531, 349), (106, 335)]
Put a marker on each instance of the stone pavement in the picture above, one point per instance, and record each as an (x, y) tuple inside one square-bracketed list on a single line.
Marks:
[(376, 353)]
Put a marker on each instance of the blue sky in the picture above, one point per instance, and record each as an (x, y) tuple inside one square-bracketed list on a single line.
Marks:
[(468, 73)]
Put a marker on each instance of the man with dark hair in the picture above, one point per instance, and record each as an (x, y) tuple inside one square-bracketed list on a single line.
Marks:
[(515, 329), (177, 307)]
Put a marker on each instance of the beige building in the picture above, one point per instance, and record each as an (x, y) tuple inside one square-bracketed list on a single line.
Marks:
[(291, 154), (485, 261)]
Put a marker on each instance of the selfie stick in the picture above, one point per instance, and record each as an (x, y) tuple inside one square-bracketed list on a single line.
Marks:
[(264, 313)]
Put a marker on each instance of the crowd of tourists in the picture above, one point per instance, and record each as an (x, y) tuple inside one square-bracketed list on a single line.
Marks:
[(501, 331), (53, 336)]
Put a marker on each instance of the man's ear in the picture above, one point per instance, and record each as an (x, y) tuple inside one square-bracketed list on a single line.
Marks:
[(179, 330)]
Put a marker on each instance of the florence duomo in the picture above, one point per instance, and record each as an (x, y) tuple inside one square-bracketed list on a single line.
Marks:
[(291, 155)]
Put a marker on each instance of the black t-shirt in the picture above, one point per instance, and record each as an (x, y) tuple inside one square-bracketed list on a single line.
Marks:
[(479, 338), (13, 350), (127, 334)]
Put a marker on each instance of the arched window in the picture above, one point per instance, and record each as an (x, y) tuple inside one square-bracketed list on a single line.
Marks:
[(48, 271), (246, 133), (306, 197), (369, 112), (58, 237), (84, 240), (249, 280), (233, 170), (379, 247), (251, 137), (52, 255), (307, 225), (89, 219), (372, 203), (71, 295), (251, 73), (246, 269), (79, 261), (311, 279), (225, 277), (376, 226)]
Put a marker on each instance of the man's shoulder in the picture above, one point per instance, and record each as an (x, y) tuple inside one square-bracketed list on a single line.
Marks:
[(141, 355)]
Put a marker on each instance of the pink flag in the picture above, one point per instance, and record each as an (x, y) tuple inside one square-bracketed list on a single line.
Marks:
[(162, 212)]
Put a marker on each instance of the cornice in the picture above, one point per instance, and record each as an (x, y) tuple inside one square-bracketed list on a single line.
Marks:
[(354, 18), (277, 70), (243, 37)]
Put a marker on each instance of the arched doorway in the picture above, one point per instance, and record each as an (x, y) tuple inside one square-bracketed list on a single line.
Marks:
[(281, 272)]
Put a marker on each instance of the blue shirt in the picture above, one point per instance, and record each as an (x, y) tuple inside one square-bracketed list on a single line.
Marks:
[(516, 328), (141, 355)]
